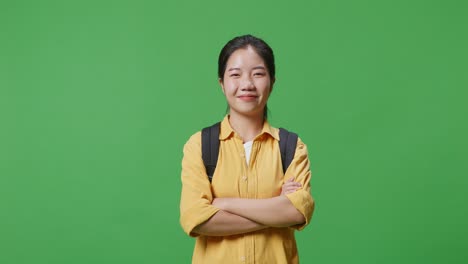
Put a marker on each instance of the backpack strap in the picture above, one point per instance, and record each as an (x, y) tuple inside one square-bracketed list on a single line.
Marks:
[(288, 143), (210, 148)]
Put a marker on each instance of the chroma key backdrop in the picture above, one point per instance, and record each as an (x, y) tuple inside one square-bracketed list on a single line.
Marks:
[(97, 99)]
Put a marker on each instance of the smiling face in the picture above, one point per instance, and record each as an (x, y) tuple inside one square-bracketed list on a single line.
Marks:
[(246, 83)]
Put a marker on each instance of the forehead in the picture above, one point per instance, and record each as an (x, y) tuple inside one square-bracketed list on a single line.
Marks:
[(245, 57)]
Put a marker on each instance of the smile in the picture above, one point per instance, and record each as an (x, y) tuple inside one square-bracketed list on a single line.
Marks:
[(247, 97)]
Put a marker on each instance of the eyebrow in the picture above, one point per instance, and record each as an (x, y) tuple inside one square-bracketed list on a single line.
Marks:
[(254, 68)]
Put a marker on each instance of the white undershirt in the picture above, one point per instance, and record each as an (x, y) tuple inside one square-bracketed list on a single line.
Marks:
[(248, 150)]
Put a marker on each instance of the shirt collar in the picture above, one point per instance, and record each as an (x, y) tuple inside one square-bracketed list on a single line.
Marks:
[(227, 131)]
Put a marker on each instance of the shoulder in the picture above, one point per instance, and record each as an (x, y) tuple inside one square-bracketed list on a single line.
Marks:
[(299, 140), (300, 145), (196, 138), (302, 153), (193, 143), (288, 133)]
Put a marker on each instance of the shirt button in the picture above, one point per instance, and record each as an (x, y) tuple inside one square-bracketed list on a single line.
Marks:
[(242, 258), (242, 154), (244, 178)]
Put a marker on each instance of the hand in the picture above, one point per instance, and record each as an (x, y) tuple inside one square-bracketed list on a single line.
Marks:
[(290, 186)]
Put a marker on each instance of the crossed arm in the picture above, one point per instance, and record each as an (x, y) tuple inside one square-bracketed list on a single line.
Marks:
[(238, 215), (203, 214)]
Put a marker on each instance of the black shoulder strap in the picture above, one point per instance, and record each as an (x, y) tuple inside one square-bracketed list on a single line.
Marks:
[(210, 148), (288, 143)]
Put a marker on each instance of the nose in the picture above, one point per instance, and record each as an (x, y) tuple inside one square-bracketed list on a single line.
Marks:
[(247, 84)]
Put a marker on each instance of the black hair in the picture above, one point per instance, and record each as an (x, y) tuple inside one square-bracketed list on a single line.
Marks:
[(242, 42)]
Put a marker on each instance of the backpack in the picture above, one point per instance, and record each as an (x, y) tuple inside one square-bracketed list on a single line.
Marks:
[(210, 147)]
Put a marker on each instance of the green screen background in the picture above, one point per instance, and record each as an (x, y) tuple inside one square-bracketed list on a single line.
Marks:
[(98, 98)]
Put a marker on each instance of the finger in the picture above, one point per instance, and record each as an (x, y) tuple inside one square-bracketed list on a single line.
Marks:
[(293, 184), (289, 184), (293, 189)]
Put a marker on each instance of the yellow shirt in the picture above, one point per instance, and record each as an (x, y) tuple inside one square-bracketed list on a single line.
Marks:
[(261, 178)]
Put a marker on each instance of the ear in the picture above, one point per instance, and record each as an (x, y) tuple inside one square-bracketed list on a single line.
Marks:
[(220, 81)]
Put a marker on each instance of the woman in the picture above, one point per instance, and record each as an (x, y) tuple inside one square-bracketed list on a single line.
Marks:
[(249, 211)]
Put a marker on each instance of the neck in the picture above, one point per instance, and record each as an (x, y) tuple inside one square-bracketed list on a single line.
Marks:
[(248, 127)]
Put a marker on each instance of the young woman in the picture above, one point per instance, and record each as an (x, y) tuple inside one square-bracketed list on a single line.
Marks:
[(249, 211)]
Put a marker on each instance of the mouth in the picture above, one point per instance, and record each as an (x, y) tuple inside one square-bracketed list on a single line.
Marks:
[(248, 97)]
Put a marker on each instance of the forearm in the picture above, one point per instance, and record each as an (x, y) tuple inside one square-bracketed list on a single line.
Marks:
[(224, 224), (275, 212)]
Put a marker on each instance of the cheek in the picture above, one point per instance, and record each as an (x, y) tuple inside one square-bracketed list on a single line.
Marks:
[(229, 87), (263, 86)]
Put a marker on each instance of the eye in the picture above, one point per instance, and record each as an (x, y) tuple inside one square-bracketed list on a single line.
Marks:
[(234, 75), (259, 74)]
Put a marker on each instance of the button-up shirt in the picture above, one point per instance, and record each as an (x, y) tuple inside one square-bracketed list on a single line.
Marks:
[(262, 177)]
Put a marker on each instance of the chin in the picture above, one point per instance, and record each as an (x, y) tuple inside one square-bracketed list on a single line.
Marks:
[(248, 112)]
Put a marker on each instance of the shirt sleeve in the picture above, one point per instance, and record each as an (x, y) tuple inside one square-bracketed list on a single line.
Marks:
[(300, 170), (196, 195)]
